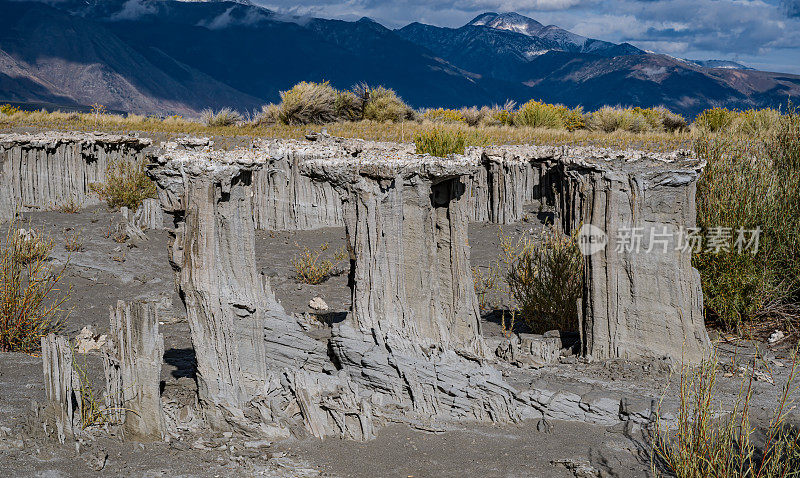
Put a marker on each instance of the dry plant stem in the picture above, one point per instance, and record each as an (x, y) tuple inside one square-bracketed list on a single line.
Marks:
[(31, 299), (704, 445)]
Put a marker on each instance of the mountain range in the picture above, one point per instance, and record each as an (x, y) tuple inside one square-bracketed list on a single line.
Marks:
[(178, 57)]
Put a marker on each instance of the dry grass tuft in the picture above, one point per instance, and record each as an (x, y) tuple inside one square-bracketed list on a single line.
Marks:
[(311, 268), (221, 118), (73, 241), (73, 206), (441, 142)]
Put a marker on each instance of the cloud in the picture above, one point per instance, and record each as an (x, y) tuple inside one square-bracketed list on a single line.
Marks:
[(792, 8), (233, 16), (133, 9)]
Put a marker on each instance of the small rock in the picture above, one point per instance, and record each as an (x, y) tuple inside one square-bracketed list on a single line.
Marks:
[(776, 337), (257, 443), (96, 460), (87, 340), (552, 334), (317, 304)]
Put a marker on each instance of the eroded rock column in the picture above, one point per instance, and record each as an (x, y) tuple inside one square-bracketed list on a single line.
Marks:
[(642, 298), (257, 370), (414, 336), (133, 370)]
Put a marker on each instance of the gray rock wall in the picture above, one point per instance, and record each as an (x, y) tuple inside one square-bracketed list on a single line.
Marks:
[(49, 170), (507, 179), (133, 371), (642, 298), (419, 358)]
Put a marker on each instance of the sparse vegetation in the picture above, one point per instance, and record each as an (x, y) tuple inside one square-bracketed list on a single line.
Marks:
[(31, 300), (30, 246), (310, 267), (126, 185), (442, 142), (709, 442), (73, 206), (752, 183), (93, 410), (73, 241), (484, 282), (223, 117), (544, 278)]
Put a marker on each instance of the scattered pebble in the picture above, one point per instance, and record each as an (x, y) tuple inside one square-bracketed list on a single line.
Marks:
[(317, 304), (776, 337)]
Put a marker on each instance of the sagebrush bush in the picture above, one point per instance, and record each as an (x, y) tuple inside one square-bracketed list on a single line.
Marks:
[(475, 116), (443, 142), (308, 102), (126, 185), (544, 277), (536, 114), (715, 119), (221, 118), (609, 119), (756, 122), (383, 105), (671, 122), (268, 115), (347, 106), (31, 298)]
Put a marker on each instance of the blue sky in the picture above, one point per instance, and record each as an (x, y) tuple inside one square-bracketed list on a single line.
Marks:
[(764, 34)]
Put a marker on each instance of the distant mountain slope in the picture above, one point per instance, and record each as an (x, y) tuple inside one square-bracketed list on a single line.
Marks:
[(559, 66), (165, 57), (558, 38), (78, 61)]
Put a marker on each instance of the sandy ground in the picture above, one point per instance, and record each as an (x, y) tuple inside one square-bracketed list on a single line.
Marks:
[(105, 271)]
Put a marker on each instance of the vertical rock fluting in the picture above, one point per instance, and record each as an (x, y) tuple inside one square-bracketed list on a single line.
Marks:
[(642, 298), (508, 179), (257, 369), (411, 350), (407, 229), (60, 383), (285, 199), (414, 335), (48, 170), (133, 371)]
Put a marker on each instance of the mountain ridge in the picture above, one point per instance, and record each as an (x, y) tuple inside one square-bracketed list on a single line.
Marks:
[(177, 57)]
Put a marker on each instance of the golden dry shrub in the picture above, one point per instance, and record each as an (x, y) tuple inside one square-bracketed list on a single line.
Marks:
[(308, 103), (544, 278), (126, 185)]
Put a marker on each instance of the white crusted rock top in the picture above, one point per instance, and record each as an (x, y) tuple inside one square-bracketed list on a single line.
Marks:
[(589, 155), (52, 139)]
